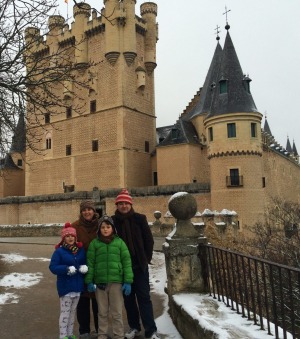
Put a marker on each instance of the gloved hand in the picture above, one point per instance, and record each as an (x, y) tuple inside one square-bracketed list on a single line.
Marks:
[(91, 287), (71, 270), (83, 269), (126, 288)]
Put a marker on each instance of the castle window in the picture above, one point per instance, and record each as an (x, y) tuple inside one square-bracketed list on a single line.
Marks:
[(48, 143), (68, 112), (223, 85), (234, 179), (95, 145), (20, 162), (155, 180), (93, 106), (47, 118), (175, 133), (68, 149), (263, 182), (231, 130), (246, 83), (210, 134), (147, 147), (253, 130)]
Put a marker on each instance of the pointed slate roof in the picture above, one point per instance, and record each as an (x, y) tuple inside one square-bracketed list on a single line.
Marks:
[(207, 90), (288, 146), (19, 138), (267, 128), (237, 98), (9, 163), (295, 149), (183, 132)]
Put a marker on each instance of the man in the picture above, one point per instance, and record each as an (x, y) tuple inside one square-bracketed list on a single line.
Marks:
[(133, 228)]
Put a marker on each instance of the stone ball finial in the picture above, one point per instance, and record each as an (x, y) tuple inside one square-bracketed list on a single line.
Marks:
[(182, 206)]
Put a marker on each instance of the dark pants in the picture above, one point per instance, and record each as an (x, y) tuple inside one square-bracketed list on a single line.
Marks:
[(139, 303), (83, 314)]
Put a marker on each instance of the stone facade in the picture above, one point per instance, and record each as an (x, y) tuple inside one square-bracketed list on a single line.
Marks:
[(117, 65)]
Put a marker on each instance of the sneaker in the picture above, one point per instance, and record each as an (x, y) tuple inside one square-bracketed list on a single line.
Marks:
[(154, 336), (131, 333)]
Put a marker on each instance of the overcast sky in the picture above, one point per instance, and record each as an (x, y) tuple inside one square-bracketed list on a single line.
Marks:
[(265, 34)]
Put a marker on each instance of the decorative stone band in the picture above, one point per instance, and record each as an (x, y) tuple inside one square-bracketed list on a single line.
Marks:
[(234, 153)]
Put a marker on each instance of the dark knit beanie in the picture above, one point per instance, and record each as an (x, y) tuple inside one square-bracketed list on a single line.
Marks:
[(87, 204)]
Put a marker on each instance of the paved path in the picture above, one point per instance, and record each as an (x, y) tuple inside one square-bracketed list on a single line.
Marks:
[(36, 314)]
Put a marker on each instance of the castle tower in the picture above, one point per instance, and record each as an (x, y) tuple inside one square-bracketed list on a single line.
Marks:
[(234, 141), (105, 135)]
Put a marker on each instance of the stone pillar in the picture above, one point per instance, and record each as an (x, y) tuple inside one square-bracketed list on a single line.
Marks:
[(183, 264)]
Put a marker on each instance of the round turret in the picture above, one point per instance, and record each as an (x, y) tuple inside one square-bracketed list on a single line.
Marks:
[(82, 9), (56, 21)]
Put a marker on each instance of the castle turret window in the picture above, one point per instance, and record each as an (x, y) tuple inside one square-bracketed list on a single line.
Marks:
[(234, 179), (68, 112), (95, 145), (253, 130), (246, 83), (223, 86), (47, 118), (147, 147), (93, 106), (231, 130), (210, 134), (48, 143), (68, 149), (20, 162)]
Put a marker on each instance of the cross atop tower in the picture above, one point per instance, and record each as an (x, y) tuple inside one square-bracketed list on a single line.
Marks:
[(226, 12), (217, 32)]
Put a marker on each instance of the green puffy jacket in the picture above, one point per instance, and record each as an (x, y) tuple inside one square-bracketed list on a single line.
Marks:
[(108, 263)]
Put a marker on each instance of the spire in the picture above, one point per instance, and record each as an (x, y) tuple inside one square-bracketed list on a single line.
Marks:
[(232, 92), (208, 88), (267, 128), (19, 138), (295, 149), (288, 146)]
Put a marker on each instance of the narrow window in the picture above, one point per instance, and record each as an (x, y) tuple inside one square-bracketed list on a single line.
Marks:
[(93, 106), (210, 134), (263, 182), (231, 130), (95, 145), (234, 177), (47, 118), (68, 150), (20, 162), (48, 143), (174, 133), (147, 146), (68, 112), (155, 181), (253, 130), (223, 86)]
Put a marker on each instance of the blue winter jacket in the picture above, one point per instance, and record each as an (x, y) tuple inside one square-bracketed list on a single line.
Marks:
[(61, 259)]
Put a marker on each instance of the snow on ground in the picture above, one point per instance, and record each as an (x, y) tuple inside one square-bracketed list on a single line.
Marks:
[(224, 322)]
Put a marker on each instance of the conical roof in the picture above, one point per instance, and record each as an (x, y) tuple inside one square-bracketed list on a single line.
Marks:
[(207, 90), (19, 138), (236, 98), (295, 149), (288, 146), (267, 128)]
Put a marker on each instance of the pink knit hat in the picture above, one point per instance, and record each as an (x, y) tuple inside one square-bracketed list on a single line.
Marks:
[(124, 197), (67, 230)]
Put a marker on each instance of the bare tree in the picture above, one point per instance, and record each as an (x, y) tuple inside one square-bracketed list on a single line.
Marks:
[(34, 74), (277, 238)]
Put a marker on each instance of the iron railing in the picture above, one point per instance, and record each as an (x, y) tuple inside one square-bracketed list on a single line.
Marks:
[(263, 291)]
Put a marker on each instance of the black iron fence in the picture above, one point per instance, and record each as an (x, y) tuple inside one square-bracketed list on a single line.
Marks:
[(265, 292)]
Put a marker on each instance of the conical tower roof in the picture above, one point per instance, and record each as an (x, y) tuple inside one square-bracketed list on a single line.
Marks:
[(295, 149), (207, 90), (267, 128), (237, 98), (19, 138), (288, 146)]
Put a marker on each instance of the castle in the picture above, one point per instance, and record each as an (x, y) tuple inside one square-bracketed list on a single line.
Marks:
[(111, 140)]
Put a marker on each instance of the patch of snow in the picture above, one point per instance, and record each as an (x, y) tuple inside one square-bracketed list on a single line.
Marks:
[(176, 195), (8, 298), (20, 280)]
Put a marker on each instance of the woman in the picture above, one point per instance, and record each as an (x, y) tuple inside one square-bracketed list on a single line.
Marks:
[(86, 228)]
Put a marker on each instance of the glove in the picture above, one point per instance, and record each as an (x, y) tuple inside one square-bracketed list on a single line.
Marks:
[(126, 288), (71, 270), (91, 287), (83, 269)]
